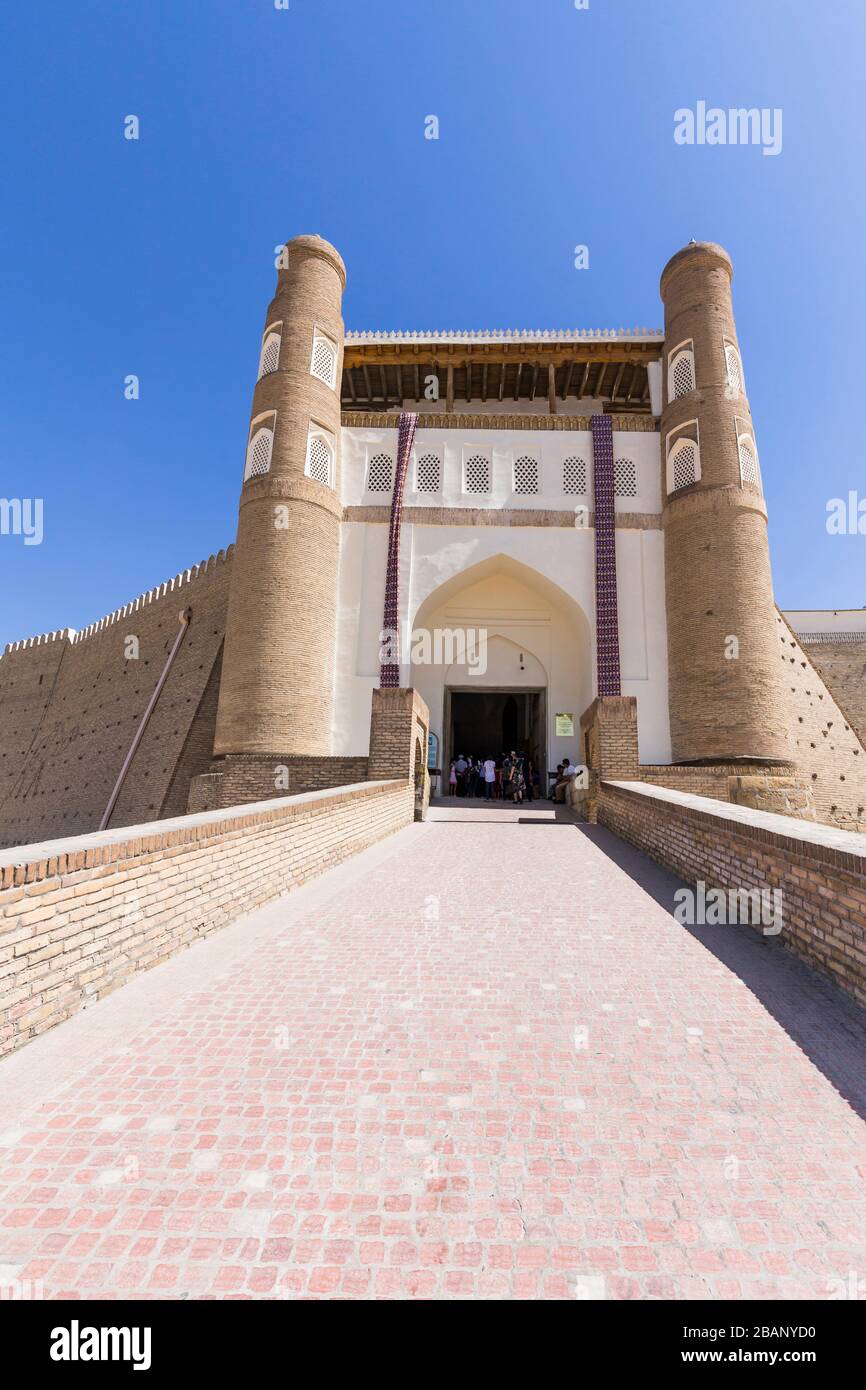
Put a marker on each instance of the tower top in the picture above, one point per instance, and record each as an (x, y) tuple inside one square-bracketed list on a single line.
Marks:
[(707, 252), (317, 246)]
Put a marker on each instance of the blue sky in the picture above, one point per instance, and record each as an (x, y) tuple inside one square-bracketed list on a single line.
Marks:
[(156, 257)]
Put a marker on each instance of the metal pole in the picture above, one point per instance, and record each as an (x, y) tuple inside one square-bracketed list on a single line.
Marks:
[(185, 619)]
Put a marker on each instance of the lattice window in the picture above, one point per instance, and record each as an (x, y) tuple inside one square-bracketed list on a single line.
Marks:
[(324, 360), (380, 473), (683, 465), (574, 477), (750, 471), (625, 478), (526, 474), (270, 354), (428, 473), (320, 458), (735, 370), (681, 373), (259, 454), (477, 473)]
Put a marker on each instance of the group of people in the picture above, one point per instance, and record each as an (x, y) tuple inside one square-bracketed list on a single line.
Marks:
[(510, 777)]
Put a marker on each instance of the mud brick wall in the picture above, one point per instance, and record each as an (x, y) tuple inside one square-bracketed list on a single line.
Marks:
[(80, 916), (70, 704), (826, 745), (243, 777), (842, 667), (705, 781), (821, 870)]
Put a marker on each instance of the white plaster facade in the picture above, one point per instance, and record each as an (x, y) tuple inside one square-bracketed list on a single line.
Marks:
[(531, 589)]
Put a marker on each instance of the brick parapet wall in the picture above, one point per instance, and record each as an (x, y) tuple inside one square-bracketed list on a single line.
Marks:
[(820, 870), (78, 917)]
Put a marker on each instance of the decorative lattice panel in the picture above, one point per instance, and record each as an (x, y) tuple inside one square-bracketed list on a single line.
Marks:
[(428, 473), (320, 457), (749, 470), (735, 370), (574, 477), (324, 363), (683, 374), (625, 478), (259, 454), (477, 473), (380, 473), (270, 358), (606, 613), (684, 465), (526, 474)]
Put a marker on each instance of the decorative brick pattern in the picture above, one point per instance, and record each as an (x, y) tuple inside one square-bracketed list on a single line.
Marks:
[(389, 675), (606, 614), (79, 917), (820, 871)]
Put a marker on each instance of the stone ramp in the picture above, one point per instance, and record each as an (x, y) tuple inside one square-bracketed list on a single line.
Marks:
[(481, 1060)]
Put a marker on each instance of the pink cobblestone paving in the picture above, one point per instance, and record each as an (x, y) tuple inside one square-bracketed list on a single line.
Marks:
[(494, 1067)]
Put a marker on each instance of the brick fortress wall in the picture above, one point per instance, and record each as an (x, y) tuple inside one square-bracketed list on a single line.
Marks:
[(70, 705)]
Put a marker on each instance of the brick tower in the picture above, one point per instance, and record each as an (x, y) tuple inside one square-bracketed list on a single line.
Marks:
[(276, 693), (727, 695)]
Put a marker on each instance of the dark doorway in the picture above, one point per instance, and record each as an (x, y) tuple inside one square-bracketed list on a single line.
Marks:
[(487, 723)]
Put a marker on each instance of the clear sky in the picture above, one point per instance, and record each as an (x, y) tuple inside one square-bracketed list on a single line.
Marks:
[(155, 256)]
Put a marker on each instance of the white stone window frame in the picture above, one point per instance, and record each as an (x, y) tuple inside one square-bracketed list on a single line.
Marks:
[(746, 439), (734, 390), (683, 351), (471, 452), (533, 453), (419, 454), (319, 434), (260, 434), (272, 334), (674, 442), (321, 337)]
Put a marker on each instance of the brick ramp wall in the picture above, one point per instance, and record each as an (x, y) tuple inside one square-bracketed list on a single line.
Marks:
[(78, 917), (821, 870), (69, 710)]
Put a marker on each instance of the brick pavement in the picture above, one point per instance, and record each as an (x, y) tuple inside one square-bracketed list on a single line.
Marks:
[(481, 1061)]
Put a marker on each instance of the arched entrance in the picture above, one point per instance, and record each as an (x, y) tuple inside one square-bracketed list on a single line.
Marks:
[(506, 655)]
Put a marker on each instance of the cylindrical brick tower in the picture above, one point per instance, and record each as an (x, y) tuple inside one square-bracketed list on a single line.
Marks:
[(276, 692), (726, 691)]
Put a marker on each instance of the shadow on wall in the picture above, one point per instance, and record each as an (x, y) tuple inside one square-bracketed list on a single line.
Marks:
[(798, 998)]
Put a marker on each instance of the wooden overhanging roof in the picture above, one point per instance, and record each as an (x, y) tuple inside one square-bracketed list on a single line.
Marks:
[(381, 371)]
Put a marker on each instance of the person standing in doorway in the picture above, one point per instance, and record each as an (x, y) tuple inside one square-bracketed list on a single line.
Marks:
[(452, 780), (489, 778)]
